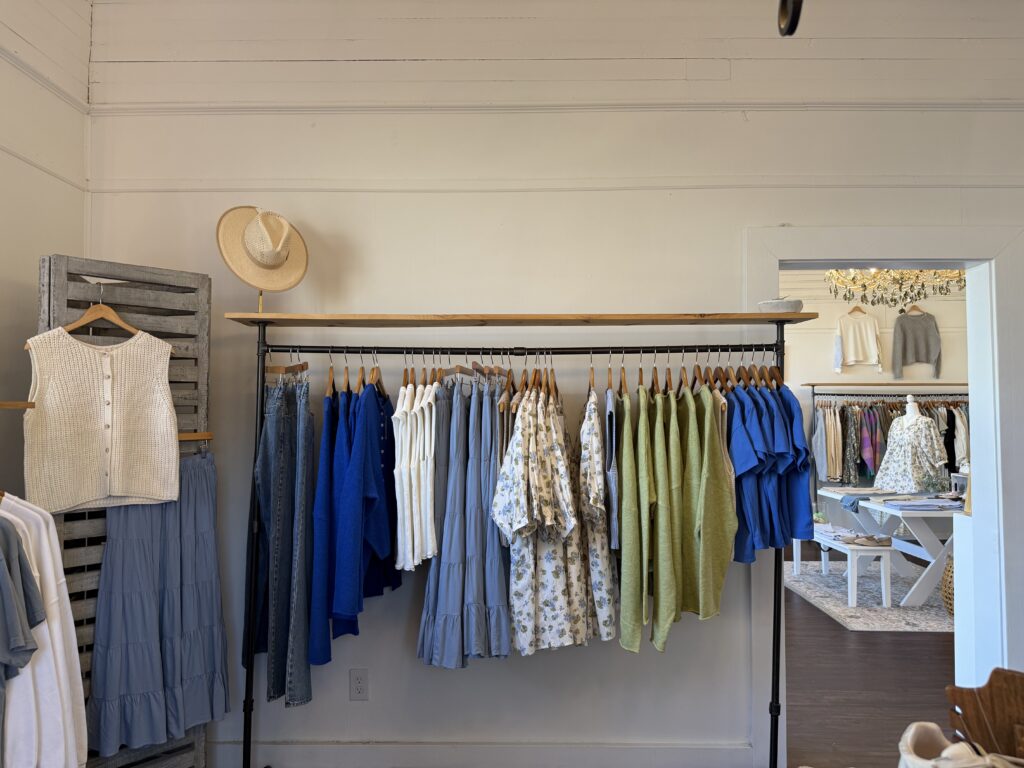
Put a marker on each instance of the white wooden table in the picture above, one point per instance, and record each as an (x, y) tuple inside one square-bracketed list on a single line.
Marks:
[(931, 529), (928, 527)]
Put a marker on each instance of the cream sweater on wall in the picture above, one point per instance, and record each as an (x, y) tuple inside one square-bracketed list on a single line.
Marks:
[(103, 432), (857, 342)]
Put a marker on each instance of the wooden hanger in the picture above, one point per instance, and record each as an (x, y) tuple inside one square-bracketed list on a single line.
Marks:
[(856, 309), (776, 375), (719, 376), (709, 376), (298, 367), (640, 371), (329, 392), (96, 312), (610, 385), (730, 374), (744, 375), (655, 388), (16, 405), (766, 379), (698, 377), (591, 372), (683, 379), (668, 378), (361, 375), (623, 382), (915, 308)]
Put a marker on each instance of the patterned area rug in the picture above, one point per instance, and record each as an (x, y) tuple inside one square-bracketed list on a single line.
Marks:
[(828, 594)]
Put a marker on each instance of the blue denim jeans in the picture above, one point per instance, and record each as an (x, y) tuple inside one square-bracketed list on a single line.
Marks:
[(284, 484), (298, 689), (275, 484)]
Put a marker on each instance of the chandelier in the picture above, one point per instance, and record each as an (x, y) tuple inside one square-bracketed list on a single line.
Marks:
[(893, 287)]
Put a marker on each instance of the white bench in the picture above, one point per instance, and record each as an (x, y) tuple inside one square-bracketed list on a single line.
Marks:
[(855, 554)]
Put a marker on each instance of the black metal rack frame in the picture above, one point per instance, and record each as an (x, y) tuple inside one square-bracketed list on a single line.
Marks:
[(778, 348)]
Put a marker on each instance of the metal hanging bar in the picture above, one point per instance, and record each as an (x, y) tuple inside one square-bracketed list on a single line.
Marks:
[(484, 351)]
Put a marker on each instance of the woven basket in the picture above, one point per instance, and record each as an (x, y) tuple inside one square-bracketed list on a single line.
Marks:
[(947, 585)]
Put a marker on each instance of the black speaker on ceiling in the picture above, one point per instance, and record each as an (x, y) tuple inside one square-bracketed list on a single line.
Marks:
[(789, 16)]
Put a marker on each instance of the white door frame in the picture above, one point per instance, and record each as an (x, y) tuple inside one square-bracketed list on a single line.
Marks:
[(989, 588)]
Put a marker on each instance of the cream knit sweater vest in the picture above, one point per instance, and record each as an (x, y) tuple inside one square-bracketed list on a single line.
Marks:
[(103, 432)]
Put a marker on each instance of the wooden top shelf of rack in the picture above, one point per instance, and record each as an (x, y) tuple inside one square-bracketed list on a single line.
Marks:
[(290, 320)]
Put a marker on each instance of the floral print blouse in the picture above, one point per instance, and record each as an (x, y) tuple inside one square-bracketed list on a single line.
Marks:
[(915, 457), (562, 582)]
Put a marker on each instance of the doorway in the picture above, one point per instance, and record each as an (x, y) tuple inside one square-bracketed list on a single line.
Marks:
[(871, 647), (987, 578)]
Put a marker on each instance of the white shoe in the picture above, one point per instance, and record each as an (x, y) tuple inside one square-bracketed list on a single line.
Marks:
[(924, 745)]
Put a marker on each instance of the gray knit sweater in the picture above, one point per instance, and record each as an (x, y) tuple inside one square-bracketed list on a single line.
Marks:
[(916, 340)]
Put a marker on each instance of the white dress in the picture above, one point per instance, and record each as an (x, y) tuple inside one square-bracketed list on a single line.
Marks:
[(603, 586)]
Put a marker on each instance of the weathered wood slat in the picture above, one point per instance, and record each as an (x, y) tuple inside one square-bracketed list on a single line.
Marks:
[(85, 529), (183, 397), (135, 272), (114, 293), (188, 422), (85, 581), (84, 609), (78, 556), (85, 662), (183, 371), (85, 634)]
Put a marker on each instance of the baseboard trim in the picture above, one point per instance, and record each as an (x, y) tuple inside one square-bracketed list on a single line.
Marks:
[(474, 755)]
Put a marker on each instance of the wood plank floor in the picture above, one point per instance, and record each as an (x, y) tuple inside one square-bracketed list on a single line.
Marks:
[(850, 695)]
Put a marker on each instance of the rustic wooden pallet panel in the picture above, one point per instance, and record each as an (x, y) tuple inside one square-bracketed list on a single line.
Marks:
[(174, 306)]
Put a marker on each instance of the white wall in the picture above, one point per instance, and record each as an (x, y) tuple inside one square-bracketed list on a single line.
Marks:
[(43, 76), (49, 40), (810, 345), (556, 156)]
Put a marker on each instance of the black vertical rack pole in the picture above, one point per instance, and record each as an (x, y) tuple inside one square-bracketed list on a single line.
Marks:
[(251, 556), (775, 706), (263, 348)]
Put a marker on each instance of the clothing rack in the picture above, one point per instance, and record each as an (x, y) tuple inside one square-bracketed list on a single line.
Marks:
[(262, 321), (839, 390)]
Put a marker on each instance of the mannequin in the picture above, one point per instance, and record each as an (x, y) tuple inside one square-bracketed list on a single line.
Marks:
[(913, 409)]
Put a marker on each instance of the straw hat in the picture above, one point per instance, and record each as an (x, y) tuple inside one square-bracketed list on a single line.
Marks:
[(262, 248)]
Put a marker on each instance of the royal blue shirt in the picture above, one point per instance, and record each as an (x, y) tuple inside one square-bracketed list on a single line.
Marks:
[(745, 464), (340, 625), (784, 463), (363, 516), (323, 540), (380, 567), (759, 428), (801, 518)]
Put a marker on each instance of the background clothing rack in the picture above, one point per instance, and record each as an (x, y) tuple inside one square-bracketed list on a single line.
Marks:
[(926, 393), (262, 321)]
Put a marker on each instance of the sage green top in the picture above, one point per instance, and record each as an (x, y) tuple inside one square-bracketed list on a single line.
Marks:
[(675, 495), (717, 508), (630, 601), (661, 536), (647, 493), (689, 552)]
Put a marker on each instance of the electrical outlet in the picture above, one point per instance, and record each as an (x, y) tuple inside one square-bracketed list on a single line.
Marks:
[(359, 685)]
